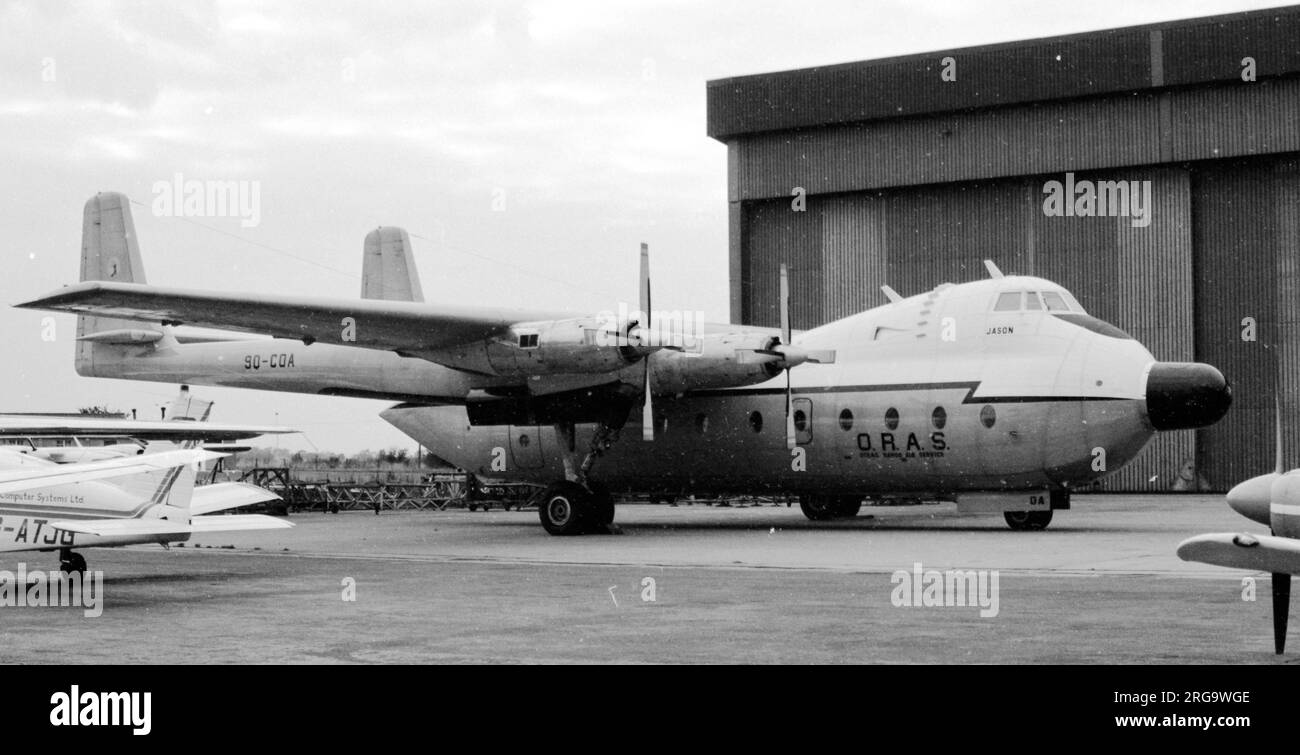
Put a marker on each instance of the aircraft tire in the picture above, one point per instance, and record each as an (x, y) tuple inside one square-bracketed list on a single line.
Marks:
[(71, 561), (602, 504), (821, 508), (565, 508), (818, 508), (1027, 520), (849, 506)]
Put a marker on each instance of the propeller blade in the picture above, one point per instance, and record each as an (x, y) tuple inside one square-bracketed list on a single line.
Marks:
[(645, 283), (785, 306), (1281, 609), (647, 409), (789, 413), (1277, 421)]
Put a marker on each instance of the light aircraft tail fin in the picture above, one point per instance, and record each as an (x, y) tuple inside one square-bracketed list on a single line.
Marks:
[(176, 490), (388, 267), (109, 252), (187, 407), (169, 488)]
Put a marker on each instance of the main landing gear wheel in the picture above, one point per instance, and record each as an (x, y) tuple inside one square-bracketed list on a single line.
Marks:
[(71, 561), (1028, 520), (820, 508), (566, 508), (602, 504)]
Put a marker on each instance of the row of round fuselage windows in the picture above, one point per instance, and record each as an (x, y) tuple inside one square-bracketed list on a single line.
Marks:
[(938, 418)]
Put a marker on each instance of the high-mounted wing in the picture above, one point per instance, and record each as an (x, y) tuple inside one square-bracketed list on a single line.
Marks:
[(48, 476), (18, 424), (404, 327)]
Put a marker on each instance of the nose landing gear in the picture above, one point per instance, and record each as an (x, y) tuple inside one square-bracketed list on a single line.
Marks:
[(1028, 520)]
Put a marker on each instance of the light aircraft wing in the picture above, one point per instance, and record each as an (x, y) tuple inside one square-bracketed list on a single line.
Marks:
[(157, 527), (49, 476), (17, 424), (401, 326), (227, 495), (1277, 555)]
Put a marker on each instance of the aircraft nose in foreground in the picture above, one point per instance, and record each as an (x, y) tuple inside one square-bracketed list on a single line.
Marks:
[(1186, 395)]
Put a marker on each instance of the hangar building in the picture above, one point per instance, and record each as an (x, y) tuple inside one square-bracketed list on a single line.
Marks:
[(909, 171)]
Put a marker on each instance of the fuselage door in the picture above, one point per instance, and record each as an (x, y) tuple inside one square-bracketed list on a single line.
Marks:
[(803, 428), (526, 445)]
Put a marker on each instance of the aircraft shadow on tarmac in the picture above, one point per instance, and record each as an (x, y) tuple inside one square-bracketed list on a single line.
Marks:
[(941, 522)]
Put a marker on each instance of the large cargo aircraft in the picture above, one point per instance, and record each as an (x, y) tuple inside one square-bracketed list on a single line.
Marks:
[(1003, 394)]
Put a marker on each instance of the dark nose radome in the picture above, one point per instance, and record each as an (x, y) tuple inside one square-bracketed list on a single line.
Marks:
[(1186, 395)]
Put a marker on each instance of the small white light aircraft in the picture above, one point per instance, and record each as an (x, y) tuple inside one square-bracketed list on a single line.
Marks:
[(46, 506), (186, 423), (1272, 499), (1002, 394)]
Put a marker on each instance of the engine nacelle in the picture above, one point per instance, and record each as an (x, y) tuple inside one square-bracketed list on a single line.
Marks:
[(578, 346), (717, 363)]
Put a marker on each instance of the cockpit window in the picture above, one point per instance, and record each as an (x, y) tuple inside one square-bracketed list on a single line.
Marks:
[(1008, 302), (1052, 301), (1055, 302)]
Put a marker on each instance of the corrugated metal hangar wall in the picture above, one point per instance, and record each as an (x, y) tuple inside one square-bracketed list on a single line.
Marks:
[(920, 198)]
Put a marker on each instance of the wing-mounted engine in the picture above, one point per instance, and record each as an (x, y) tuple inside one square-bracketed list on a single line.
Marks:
[(722, 360), (577, 346)]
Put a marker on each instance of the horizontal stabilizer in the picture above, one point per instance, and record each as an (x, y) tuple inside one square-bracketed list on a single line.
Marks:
[(237, 523), (228, 495), (165, 528), (1278, 555), (124, 337), (122, 527)]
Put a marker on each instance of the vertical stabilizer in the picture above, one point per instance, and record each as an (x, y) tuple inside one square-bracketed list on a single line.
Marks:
[(188, 407), (388, 268), (109, 252), (176, 490)]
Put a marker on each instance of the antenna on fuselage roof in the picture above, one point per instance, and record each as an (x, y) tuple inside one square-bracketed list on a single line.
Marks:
[(994, 272), (894, 298)]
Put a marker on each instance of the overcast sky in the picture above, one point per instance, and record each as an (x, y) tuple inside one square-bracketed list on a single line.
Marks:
[(585, 118)]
